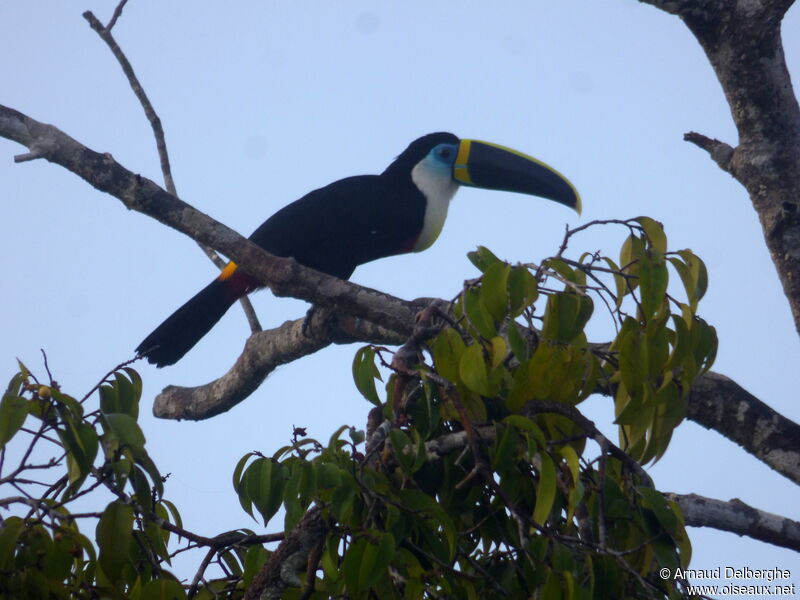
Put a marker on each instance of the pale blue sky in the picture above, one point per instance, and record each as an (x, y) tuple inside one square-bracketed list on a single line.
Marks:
[(264, 101)]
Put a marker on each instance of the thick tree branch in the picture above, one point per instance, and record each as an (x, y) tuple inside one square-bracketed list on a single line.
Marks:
[(291, 556), (262, 354), (737, 517), (719, 403), (742, 40)]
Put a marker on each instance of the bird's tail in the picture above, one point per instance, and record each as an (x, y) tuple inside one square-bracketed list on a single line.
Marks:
[(171, 340)]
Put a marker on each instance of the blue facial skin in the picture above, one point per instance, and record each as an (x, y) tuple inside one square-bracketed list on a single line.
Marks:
[(442, 158)]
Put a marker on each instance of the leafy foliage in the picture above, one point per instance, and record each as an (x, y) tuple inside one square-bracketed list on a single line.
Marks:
[(43, 552), (480, 477), (484, 480)]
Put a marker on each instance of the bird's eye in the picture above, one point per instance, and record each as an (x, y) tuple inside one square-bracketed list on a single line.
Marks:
[(444, 152)]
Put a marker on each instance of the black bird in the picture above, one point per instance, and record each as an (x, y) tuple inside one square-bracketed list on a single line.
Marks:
[(360, 219)]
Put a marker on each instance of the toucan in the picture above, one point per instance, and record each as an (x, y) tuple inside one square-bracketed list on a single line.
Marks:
[(360, 219)]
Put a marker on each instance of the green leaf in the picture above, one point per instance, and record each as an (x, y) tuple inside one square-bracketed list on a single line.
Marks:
[(448, 348), (357, 436), (473, 372), (519, 346), (680, 536), (619, 281), (265, 482), (482, 258), (365, 373), (416, 500), (494, 294), (141, 487), (334, 442), (81, 443), (681, 344), (563, 269), (126, 429), (13, 410), (545, 490), (75, 408), (655, 501), (342, 502), (155, 540), (144, 461), (9, 534), (15, 384), (477, 314), (704, 344), (292, 502), (240, 484), (523, 290), (686, 278), (126, 394), (629, 255), (255, 558), (569, 454), (375, 559), (698, 271), (136, 382), (504, 448), (552, 586), (173, 511), (653, 281), (231, 560), (162, 589), (528, 426), (654, 232), (109, 400), (569, 584), (633, 362), (351, 566), (565, 316), (113, 533), (401, 441), (657, 340), (328, 475)]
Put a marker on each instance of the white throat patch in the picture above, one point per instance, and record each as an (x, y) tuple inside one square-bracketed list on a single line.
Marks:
[(438, 187)]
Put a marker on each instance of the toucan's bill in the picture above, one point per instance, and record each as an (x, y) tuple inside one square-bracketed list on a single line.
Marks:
[(486, 165)]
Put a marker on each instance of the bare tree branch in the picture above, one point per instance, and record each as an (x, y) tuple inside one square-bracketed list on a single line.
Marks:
[(721, 152), (737, 517), (117, 14), (262, 354), (149, 111), (158, 133)]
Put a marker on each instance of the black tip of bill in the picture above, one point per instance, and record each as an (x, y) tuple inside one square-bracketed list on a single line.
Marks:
[(486, 165)]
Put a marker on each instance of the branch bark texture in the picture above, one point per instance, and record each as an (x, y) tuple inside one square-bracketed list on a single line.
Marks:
[(263, 353), (737, 517), (719, 403), (742, 40)]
